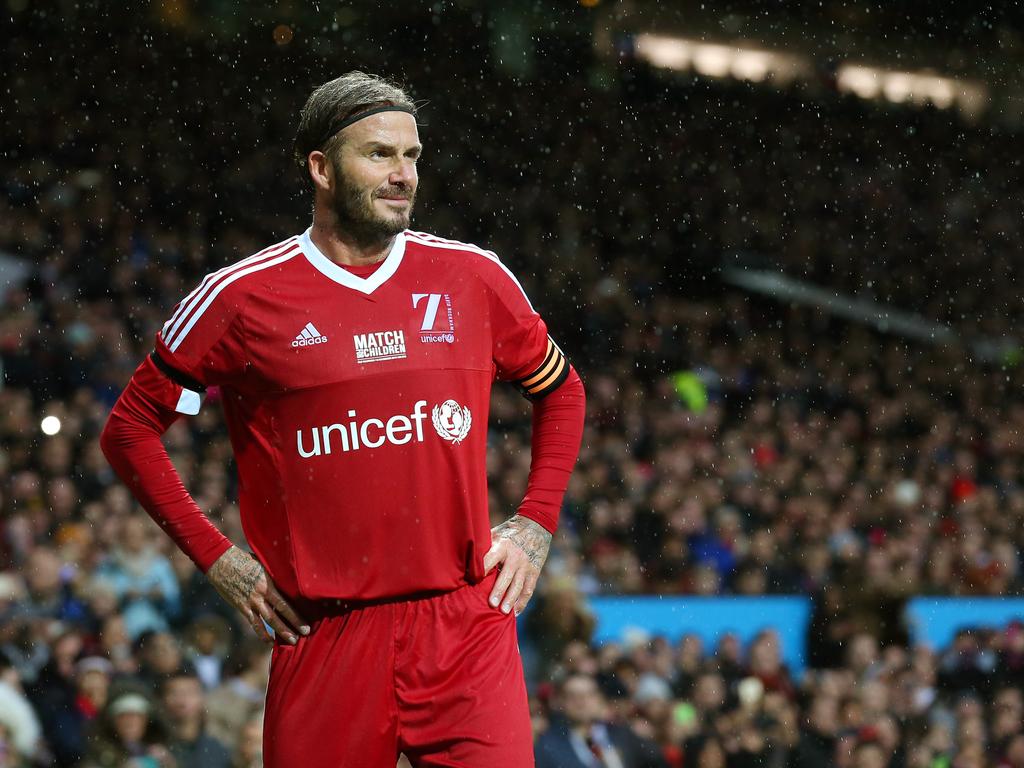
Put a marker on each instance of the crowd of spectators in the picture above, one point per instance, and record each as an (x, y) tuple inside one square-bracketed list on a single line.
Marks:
[(819, 458), (659, 705)]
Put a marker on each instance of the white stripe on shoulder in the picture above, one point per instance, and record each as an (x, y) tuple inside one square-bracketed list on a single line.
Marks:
[(439, 242), (186, 304), (447, 241), (228, 280)]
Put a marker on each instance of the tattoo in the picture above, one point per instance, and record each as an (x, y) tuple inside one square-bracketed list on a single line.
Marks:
[(529, 536), (235, 575)]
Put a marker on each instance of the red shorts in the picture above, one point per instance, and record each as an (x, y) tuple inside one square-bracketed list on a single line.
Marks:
[(438, 678)]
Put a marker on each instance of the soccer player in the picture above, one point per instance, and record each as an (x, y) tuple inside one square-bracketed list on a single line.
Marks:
[(354, 364)]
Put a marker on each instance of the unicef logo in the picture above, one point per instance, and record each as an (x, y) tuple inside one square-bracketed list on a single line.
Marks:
[(438, 338), (451, 421)]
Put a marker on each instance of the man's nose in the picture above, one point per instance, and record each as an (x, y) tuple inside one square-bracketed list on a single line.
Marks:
[(404, 173)]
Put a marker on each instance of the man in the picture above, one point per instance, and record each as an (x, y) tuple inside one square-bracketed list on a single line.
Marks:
[(68, 700), (183, 702), (240, 697), (817, 743), (579, 738), (354, 363)]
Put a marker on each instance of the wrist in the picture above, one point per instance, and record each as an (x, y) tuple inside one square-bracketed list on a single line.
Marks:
[(538, 518), (207, 560)]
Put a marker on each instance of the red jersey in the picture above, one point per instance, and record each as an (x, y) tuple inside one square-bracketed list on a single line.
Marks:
[(357, 406)]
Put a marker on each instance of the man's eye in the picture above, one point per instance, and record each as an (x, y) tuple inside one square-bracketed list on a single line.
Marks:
[(376, 153)]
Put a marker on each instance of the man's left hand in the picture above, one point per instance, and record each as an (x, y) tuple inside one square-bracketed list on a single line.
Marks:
[(520, 546)]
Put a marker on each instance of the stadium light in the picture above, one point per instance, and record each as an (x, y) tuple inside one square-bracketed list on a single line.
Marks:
[(713, 60), (897, 87), (50, 425), (751, 65), (921, 88), (722, 60), (665, 52), (862, 81)]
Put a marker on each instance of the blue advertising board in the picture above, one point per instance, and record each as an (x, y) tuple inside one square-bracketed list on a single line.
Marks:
[(935, 620), (709, 618)]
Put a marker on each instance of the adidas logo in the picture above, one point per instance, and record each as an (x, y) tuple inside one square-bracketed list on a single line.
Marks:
[(309, 336)]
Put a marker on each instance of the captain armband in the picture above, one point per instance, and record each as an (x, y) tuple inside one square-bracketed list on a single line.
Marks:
[(547, 377), (192, 391)]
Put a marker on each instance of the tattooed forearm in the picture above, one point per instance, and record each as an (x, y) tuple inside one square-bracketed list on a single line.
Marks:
[(529, 536), (235, 575), (241, 581)]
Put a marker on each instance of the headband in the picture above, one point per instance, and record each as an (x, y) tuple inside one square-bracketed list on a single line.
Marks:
[(337, 125)]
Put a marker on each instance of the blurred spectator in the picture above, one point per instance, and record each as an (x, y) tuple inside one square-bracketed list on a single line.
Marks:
[(817, 744), (580, 737), (69, 699), (142, 579), (208, 643), (556, 618), (21, 737), (239, 699), (249, 751), (159, 655), (128, 730), (189, 742)]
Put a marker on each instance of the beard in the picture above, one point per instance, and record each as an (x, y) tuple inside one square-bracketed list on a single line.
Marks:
[(356, 215)]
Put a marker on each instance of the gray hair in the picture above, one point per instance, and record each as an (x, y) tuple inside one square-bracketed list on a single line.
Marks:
[(338, 99)]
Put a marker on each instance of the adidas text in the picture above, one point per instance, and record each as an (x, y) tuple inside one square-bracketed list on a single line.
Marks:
[(309, 342), (309, 336)]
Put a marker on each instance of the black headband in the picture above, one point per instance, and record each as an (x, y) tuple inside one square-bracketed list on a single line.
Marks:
[(345, 122)]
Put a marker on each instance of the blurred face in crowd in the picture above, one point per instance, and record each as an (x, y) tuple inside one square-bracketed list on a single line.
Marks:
[(823, 716), (874, 697), (374, 175), (205, 639), (711, 755), (94, 685), (709, 692), (863, 652), (183, 699), (250, 741), (102, 599), (869, 756), (764, 655), (135, 534), (130, 726), (729, 648), (114, 637), (581, 701), (65, 650), (1010, 699), (691, 652), (43, 573), (163, 654)]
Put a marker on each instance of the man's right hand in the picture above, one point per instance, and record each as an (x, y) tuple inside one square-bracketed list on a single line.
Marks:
[(241, 580)]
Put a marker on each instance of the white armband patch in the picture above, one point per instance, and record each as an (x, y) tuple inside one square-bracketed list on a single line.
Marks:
[(189, 402)]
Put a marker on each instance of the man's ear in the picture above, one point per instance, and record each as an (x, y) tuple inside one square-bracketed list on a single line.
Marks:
[(321, 172)]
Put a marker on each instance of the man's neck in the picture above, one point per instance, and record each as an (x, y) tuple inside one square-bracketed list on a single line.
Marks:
[(343, 248), (580, 729)]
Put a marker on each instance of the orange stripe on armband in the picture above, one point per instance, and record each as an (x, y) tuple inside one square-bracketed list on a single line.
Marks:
[(548, 376)]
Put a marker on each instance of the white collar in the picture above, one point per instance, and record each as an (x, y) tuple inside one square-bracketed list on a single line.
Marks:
[(342, 276)]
